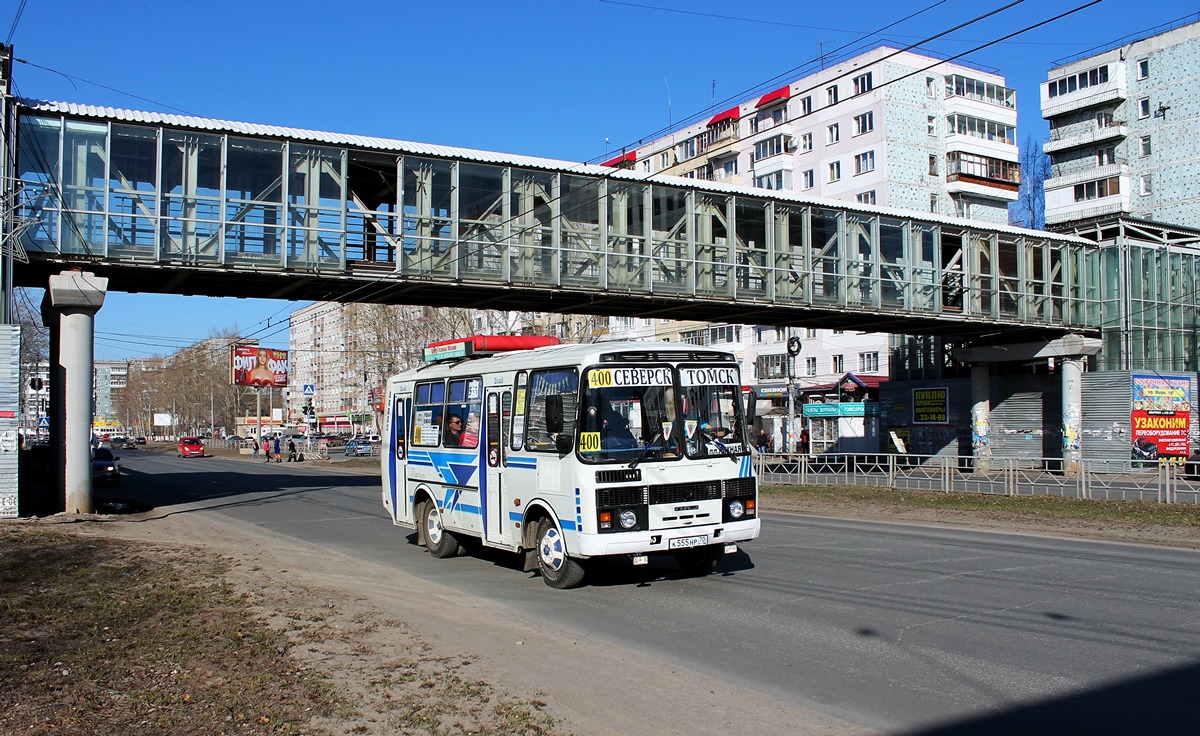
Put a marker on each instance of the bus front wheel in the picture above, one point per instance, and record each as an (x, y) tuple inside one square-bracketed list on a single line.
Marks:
[(438, 541), (558, 569)]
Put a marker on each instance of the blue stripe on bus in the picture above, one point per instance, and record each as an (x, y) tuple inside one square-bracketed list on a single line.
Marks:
[(515, 517), (524, 463)]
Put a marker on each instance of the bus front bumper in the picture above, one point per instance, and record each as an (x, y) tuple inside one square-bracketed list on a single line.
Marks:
[(667, 540)]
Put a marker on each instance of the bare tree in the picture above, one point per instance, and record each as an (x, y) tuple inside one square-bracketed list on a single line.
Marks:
[(1029, 210), (35, 338)]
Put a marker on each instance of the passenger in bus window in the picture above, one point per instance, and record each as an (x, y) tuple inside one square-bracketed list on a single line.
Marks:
[(470, 435), (616, 432), (454, 430)]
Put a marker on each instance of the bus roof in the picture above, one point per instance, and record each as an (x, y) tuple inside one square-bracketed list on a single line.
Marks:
[(575, 354)]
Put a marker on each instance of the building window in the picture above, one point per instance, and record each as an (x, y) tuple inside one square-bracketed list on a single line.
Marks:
[(808, 178), (931, 125), (769, 147), (866, 197), (1145, 184), (933, 203), (837, 364), (1143, 108), (1143, 69), (1106, 156), (868, 362), (1082, 80), (862, 84), (769, 367), (810, 366), (806, 143), (864, 162), (835, 171), (831, 94), (832, 134), (933, 164), (664, 159), (989, 130), (1104, 120), (1145, 145), (864, 123), (806, 105), (1097, 189), (777, 180), (810, 333), (930, 87)]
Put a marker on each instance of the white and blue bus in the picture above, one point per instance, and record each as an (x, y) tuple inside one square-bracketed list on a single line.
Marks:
[(570, 452)]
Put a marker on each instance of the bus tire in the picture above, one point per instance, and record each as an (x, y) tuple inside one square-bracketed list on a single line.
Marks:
[(438, 541), (699, 562), (557, 567)]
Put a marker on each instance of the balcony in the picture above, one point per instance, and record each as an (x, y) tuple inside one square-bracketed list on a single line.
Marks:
[(1066, 141), (1078, 100)]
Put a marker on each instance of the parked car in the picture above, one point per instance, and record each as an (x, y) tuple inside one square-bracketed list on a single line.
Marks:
[(190, 447), (357, 448), (105, 470)]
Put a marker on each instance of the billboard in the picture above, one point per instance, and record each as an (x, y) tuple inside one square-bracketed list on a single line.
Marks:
[(259, 367), (1161, 416)]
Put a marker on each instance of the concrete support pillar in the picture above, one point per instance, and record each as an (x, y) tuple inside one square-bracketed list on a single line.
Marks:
[(981, 408), (1072, 397), (73, 298)]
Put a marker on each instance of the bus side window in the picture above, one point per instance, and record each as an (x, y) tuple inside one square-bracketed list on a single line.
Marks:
[(400, 427), (562, 383), (427, 414), (517, 432)]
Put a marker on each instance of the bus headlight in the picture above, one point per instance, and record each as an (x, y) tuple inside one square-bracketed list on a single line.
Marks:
[(736, 510), (628, 519)]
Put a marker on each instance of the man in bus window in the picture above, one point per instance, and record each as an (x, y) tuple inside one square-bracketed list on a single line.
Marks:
[(454, 430)]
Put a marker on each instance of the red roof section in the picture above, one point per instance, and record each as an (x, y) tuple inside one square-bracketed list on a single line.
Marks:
[(782, 93), (630, 157), (732, 113)]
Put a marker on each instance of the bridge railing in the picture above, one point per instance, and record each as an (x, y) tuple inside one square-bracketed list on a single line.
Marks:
[(1094, 479)]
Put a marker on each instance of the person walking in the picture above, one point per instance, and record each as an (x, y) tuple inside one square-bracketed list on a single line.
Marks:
[(291, 450), (278, 449), (254, 446), (266, 448)]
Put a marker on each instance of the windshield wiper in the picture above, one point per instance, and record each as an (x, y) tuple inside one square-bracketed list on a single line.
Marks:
[(649, 445)]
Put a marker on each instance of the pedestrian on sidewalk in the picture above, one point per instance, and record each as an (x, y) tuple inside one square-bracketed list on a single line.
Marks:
[(278, 449), (291, 450), (254, 446)]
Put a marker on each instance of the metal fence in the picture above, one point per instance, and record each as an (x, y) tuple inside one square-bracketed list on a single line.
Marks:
[(1095, 479)]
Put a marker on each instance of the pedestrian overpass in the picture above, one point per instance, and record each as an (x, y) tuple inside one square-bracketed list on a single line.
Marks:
[(184, 205), (102, 199)]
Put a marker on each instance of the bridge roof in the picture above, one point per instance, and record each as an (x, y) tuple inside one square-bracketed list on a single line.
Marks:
[(327, 138)]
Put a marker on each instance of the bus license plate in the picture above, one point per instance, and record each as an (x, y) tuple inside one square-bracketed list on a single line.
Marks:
[(685, 542)]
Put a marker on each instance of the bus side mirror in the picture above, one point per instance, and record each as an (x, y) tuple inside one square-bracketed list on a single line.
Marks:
[(751, 407), (554, 414), (564, 443)]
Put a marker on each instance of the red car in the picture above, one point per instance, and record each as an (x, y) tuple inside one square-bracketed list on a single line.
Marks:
[(190, 447)]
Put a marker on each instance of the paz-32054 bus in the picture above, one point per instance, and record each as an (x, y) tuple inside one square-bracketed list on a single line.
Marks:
[(571, 452)]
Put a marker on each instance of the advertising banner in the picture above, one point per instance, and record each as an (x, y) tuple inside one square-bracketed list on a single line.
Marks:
[(931, 406), (258, 367), (1161, 416)]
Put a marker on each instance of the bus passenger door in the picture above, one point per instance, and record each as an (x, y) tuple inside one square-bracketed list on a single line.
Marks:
[(396, 466), (496, 499)]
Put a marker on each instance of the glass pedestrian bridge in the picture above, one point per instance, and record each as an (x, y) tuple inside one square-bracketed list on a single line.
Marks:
[(187, 205)]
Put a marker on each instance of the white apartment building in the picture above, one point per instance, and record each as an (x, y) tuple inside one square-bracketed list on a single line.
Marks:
[(1123, 132), (889, 128)]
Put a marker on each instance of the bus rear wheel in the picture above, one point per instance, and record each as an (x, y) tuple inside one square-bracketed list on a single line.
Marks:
[(438, 541), (557, 567)]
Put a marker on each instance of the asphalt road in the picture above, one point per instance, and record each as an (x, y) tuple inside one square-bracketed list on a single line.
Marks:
[(905, 629)]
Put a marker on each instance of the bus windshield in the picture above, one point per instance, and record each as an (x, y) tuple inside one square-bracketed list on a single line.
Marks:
[(659, 413)]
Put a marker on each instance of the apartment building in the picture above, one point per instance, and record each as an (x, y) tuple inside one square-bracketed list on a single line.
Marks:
[(888, 128), (1123, 132)]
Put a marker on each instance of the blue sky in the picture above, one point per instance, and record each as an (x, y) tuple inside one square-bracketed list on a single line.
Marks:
[(568, 79)]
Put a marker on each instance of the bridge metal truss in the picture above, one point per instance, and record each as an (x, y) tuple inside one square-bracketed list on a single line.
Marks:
[(189, 205)]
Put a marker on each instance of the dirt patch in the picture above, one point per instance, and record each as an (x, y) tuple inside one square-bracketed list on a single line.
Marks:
[(381, 641)]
